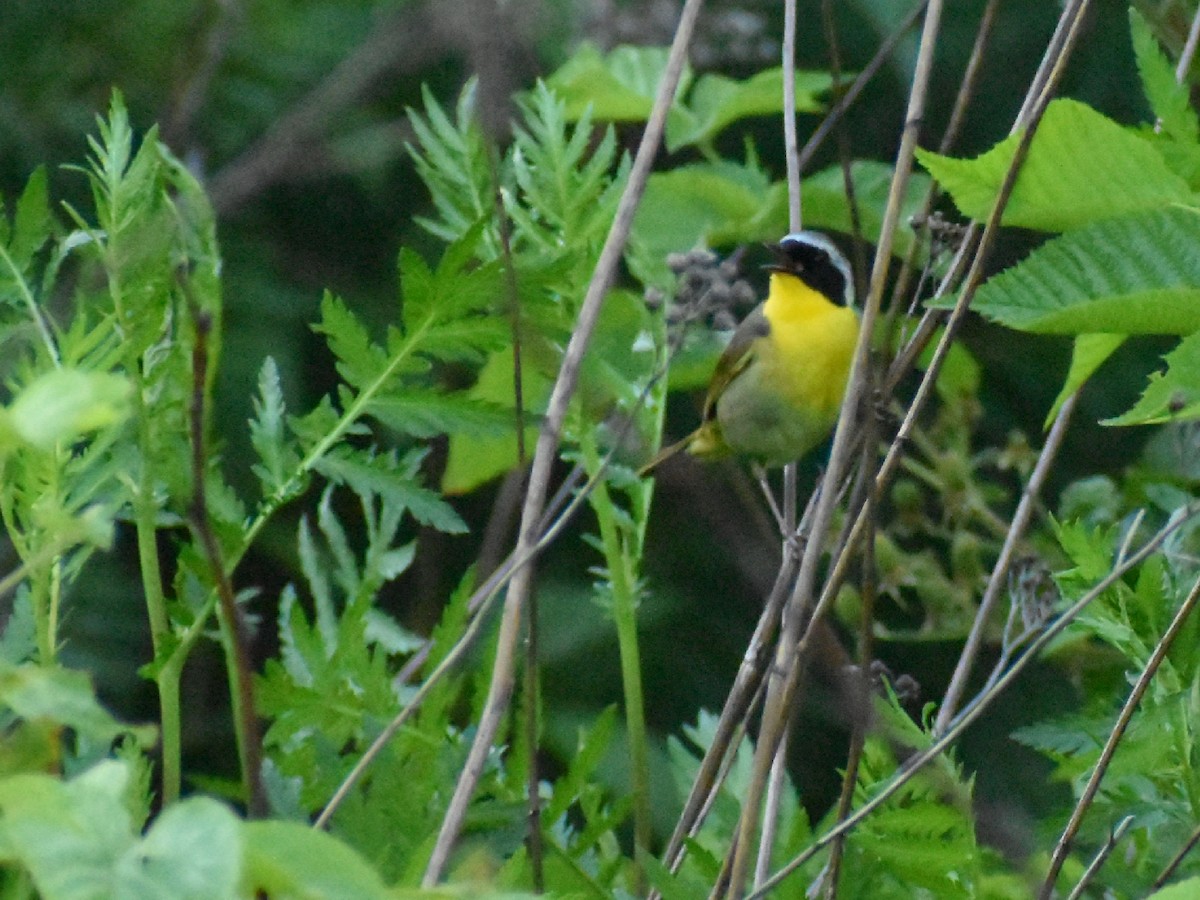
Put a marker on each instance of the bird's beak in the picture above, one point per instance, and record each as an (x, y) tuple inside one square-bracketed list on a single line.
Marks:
[(780, 263)]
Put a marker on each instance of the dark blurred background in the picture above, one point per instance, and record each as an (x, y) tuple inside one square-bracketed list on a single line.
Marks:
[(293, 114)]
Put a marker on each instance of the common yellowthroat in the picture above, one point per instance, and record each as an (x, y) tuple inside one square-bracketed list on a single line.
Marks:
[(778, 386)]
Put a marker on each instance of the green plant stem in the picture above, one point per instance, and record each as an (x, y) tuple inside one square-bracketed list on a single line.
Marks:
[(167, 677), (621, 561)]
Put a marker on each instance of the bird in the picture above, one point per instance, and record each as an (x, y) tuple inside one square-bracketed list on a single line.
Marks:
[(778, 386)]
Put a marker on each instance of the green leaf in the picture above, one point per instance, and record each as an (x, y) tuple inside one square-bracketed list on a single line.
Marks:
[(18, 641), (1169, 99), (699, 205), (68, 835), (192, 852), (1087, 355), (1173, 395), (452, 161), (619, 87), (64, 697), (1188, 889), (32, 222), (386, 477), (1082, 166), (476, 459), (824, 204), (1137, 274), (268, 431), (359, 360), (64, 404), (424, 414), (290, 859), (717, 101)]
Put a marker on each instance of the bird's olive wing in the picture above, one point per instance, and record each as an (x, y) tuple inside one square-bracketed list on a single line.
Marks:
[(735, 358)]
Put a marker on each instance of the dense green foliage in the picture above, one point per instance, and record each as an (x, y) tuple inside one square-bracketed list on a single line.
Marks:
[(115, 334)]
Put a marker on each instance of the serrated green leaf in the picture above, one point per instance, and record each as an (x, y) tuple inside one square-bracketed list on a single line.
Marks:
[(312, 564), (299, 645), (384, 477), (424, 414), (1088, 353), (452, 161), (1137, 274), (1169, 99), (18, 641), (32, 221), (1173, 395), (268, 432), (716, 102), (591, 746), (1081, 167), (359, 360)]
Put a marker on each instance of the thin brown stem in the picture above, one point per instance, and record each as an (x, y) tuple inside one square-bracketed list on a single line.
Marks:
[(870, 70), (785, 675), (500, 688), (1188, 846), (237, 639)]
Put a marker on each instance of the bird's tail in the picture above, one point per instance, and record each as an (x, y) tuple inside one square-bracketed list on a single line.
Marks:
[(663, 455)]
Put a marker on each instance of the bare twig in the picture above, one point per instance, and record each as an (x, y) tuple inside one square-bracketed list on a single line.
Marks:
[(1069, 25), (817, 138), (1189, 50), (1188, 846), (785, 675), (778, 776), (1114, 738), (1101, 857), (500, 689)]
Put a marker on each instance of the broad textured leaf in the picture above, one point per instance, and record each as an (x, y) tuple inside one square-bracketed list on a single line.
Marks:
[(63, 404), (697, 204), (1173, 395), (823, 200), (717, 101), (477, 459), (1133, 275), (192, 852), (1082, 166), (65, 697), (68, 834), (290, 859), (619, 87)]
